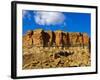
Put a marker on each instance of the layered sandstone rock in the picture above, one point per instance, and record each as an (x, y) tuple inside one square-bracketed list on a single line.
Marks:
[(37, 37), (85, 39), (27, 39), (58, 38), (73, 38)]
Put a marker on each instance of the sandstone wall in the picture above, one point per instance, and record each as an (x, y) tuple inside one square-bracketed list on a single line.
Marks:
[(40, 37)]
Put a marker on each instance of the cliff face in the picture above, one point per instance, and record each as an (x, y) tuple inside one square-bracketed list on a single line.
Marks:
[(71, 49), (43, 38)]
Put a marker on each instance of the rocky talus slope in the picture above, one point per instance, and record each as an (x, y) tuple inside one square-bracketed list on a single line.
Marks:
[(51, 49)]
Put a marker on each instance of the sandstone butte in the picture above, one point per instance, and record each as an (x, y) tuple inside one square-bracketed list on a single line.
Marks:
[(57, 38)]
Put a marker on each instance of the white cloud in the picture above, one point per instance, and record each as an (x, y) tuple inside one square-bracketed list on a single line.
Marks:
[(49, 18)]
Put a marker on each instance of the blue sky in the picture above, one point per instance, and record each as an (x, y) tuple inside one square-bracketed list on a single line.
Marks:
[(65, 21)]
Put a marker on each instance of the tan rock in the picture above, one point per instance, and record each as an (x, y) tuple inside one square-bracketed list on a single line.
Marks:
[(85, 39), (27, 40), (73, 38), (38, 37), (58, 38), (65, 40), (57, 61)]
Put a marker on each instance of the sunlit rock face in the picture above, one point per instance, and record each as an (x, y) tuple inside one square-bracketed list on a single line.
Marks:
[(27, 39), (37, 37), (58, 38)]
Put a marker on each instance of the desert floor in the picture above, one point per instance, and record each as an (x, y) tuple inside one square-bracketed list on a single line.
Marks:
[(54, 57)]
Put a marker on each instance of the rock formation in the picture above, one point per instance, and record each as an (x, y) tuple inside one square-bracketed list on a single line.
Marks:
[(58, 38), (37, 37), (27, 39), (52, 49)]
